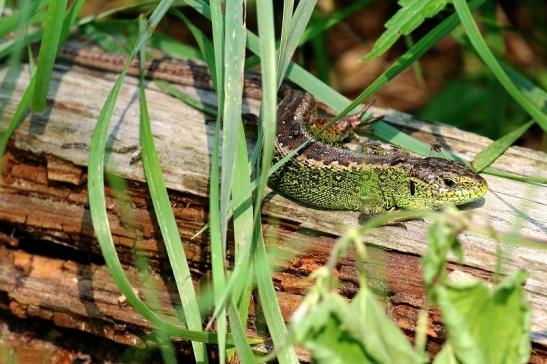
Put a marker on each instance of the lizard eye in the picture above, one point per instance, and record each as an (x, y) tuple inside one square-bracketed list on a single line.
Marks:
[(448, 182)]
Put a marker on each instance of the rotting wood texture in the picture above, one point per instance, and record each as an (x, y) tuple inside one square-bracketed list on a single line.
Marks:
[(43, 197)]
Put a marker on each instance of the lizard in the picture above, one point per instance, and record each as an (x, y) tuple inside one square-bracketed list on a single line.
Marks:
[(324, 174), (327, 176)]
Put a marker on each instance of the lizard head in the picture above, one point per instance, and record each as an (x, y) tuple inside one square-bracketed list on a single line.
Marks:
[(436, 182)]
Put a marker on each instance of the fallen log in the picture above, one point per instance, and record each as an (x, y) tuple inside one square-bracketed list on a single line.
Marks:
[(50, 263)]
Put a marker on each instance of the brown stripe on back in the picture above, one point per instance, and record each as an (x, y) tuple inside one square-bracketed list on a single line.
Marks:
[(295, 110)]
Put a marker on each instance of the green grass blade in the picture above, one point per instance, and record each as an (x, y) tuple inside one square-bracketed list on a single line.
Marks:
[(333, 19), (234, 57), (531, 91), (216, 218), (243, 217), (146, 279), (214, 57), (490, 60), (489, 154), (270, 304), (268, 114), (16, 49), (406, 19), (70, 20), (172, 90), (243, 234), (166, 221), (295, 29), (16, 120), (243, 350), (48, 51), (288, 8), (10, 23), (173, 47), (97, 205)]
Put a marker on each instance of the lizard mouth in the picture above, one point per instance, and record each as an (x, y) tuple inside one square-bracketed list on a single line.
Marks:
[(467, 191)]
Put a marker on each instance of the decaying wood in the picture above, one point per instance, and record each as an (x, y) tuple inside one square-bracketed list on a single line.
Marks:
[(41, 341), (43, 197)]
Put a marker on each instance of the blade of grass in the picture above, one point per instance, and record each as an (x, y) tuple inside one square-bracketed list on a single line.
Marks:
[(233, 63), (17, 47), (242, 224), (270, 304), (268, 116), (216, 218), (97, 202), (288, 9), (9, 23), (418, 72), (48, 51), (333, 19), (127, 216), (205, 46), (490, 60), (173, 47), (295, 28), (172, 90), (243, 221), (489, 154), (243, 350), (234, 48), (166, 219)]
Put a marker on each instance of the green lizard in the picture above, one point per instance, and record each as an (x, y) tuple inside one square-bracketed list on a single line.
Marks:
[(325, 176)]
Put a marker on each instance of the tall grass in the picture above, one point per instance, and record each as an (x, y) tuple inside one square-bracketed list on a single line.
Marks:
[(238, 183)]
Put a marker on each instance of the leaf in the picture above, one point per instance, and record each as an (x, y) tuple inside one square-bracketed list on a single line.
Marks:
[(323, 333), (480, 320), (382, 339), (411, 15), (48, 51), (489, 154), (359, 332)]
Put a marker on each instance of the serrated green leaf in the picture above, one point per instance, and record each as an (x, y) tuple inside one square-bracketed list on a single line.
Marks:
[(411, 15), (324, 334), (336, 331), (480, 321), (383, 341)]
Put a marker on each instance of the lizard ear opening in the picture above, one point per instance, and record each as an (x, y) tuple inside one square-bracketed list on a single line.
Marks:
[(412, 188)]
